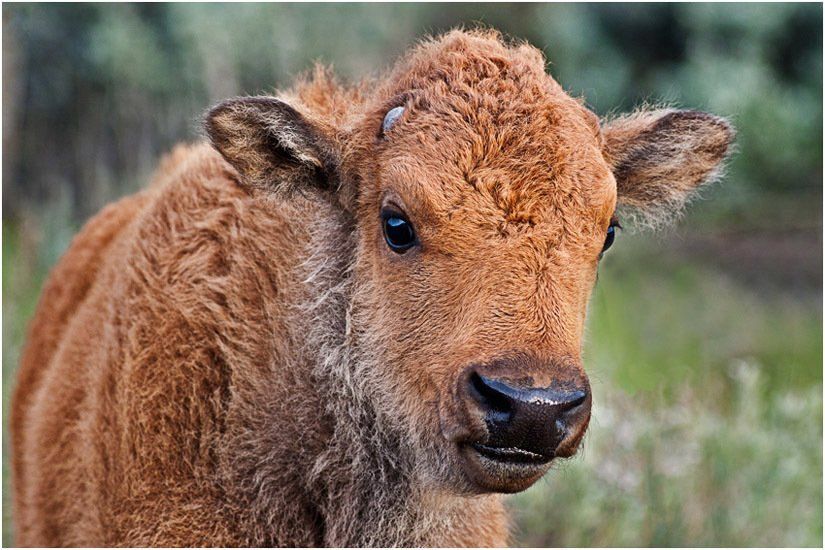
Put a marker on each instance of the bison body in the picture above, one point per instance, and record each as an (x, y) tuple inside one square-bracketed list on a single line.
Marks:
[(354, 319)]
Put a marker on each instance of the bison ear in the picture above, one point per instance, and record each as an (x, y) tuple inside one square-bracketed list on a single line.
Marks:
[(659, 158), (272, 145)]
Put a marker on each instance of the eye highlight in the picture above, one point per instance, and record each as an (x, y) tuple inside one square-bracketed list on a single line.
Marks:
[(398, 231), (611, 234)]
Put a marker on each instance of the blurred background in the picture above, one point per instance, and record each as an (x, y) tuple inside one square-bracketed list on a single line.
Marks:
[(704, 343)]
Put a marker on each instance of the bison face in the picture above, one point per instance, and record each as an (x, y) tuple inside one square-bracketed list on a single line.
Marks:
[(480, 199), (479, 240), (480, 230)]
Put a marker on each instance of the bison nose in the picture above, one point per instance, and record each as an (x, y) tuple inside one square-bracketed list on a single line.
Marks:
[(538, 420)]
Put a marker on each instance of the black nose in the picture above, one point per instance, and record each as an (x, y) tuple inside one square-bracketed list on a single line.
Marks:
[(531, 419)]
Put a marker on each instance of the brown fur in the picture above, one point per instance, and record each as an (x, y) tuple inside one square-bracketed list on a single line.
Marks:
[(234, 356)]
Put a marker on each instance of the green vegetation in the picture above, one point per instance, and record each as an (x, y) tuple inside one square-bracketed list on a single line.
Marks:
[(704, 344)]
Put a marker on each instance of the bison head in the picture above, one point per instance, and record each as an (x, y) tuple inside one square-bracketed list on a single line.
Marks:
[(475, 199)]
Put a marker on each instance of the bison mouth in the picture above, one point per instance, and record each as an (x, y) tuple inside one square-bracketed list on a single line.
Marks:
[(512, 455), (503, 469)]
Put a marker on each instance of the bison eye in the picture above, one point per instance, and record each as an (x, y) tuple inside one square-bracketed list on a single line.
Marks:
[(398, 231), (611, 235)]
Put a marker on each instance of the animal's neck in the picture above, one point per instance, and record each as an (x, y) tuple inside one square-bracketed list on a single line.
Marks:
[(370, 494), (364, 480), (361, 481)]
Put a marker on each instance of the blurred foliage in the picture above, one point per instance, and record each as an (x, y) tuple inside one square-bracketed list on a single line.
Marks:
[(93, 93), (704, 343)]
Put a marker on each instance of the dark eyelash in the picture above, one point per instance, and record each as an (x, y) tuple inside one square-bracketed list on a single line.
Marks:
[(390, 210)]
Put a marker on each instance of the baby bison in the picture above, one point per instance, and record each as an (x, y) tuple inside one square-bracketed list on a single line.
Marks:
[(353, 318)]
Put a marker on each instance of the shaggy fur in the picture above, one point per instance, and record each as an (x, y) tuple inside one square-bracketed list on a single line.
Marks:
[(234, 356)]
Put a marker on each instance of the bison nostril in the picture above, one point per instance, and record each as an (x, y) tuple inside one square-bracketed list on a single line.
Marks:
[(575, 399), (499, 406)]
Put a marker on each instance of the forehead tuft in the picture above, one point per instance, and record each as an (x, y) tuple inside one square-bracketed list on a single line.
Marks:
[(486, 135), (492, 93), (467, 72), (469, 57), (484, 114)]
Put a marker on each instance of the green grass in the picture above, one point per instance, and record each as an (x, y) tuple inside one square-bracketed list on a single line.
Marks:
[(706, 426)]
